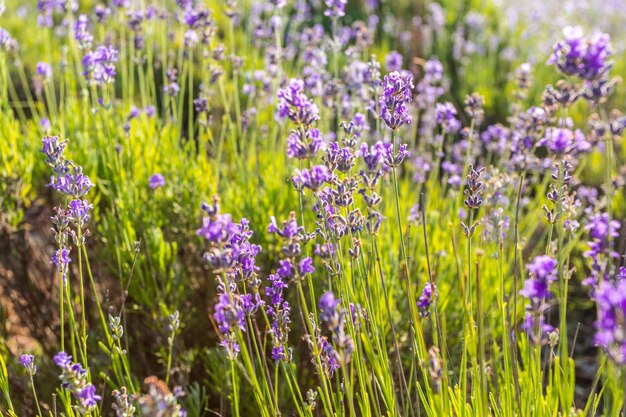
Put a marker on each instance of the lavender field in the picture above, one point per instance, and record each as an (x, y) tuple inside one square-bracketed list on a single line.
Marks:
[(312, 208)]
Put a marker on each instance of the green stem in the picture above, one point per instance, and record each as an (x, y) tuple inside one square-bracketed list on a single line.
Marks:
[(32, 385), (82, 292), (235, 402)]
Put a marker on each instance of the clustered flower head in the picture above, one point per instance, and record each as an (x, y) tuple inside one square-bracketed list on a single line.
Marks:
[(446, 116), (611, 323), (159, 400), (68, 179), (335, 8), (473, 197), (156, 181), (429, 293), (584, 57), (230, 248), (75, 379), (292, 267), (335, 350), (428, 90), (124, 403), (278, 310), (602, 233), (6, 41), (28, 362), (295, 105), (233, 256), (542, 272), (172, 88), (45, 70), (397, 92), (474, 104), (313, 178), (81, 33), (304, 144), (99, 65), (561, 141)]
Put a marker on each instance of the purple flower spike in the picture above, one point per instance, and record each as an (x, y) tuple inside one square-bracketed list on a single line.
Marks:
[(312, 179), (156, 181), (610, 326), (542, 272), (88, 397), (586, 58), (26, 360), (327, 305), (426, 299), (62, 359), (393, 61), (294, 104), (397, 90), (99, 65), (335, 8), (45, 70)]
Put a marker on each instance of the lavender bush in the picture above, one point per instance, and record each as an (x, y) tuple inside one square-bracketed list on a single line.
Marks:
[(328, 208)]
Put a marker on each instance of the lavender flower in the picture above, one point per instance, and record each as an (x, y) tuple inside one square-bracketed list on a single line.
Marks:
[(537, 289), (473, 191), (393, 61), (217, 228), (123, 403), (102, 13), (335, 8), (602, 232), (6, 41), (75, 183), (44, 70), (610, 326), (304, 144), (333, 317), (542, 273), (327, 305), (99, 65), (397, 91), (88, 397), (445, 114), (394, 159), (561, 141), (229, 314), (69, 178), (312, 179), (75, 378), (342, 159), (81, 34), (278, 311), (474, 104), (45, 124), (580, 56), (328, 357), (28, 362), (372, 156), (159, 400), (294, 104), (156, 181), (78, 212), (426, 299)]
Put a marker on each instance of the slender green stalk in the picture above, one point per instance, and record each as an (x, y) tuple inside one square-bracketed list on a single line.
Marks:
[(32, 386), (82, 291), (235, 399)]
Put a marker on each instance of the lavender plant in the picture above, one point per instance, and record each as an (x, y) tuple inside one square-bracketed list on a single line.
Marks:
[(334, 208)]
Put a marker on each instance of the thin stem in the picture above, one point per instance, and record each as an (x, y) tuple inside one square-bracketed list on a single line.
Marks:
[(235, 402), (32, 385), (82, 290)]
